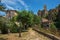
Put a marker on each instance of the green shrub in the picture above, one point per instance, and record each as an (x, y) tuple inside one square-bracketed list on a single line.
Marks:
[(14, 28), (53, 28), (4, 29)]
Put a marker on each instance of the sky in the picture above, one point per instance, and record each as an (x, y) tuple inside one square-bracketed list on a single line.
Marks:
[(33, 5)]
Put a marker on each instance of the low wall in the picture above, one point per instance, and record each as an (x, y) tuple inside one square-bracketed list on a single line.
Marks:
[(47, 35)]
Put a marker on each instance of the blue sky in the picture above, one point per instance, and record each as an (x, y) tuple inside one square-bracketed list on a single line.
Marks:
[(33, 5)]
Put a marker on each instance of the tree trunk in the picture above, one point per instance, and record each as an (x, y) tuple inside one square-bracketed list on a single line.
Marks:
[(8, 31), (19, 32)]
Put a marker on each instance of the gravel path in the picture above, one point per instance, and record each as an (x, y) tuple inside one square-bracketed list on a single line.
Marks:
[(30, 35)]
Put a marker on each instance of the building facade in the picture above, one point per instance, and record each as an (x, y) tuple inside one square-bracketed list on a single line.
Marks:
[(10, 14), (43, 12)]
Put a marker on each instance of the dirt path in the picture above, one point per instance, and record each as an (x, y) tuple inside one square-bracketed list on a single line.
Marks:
[(30, 35)]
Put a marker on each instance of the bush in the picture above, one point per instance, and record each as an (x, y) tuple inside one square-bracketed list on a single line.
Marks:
[(14, 28), (53, 28), (4, 29)]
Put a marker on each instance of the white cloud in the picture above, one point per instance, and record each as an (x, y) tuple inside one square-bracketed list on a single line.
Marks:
[(24, 4), (10, 3), (9, 7)]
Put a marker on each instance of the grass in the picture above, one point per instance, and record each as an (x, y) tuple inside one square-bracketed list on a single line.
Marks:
[(56, 33)]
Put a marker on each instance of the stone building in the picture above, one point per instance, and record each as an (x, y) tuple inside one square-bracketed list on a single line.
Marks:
[(39, 13), (45, 23), (42, 14), (10, 13)]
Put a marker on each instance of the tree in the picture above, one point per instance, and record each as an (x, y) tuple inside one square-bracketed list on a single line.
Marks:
[(2, 7), (23, 19), (3, 26), (9, 25), (37, 19), (58, 17), (20, 28), (52, 15), (26, 17)]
